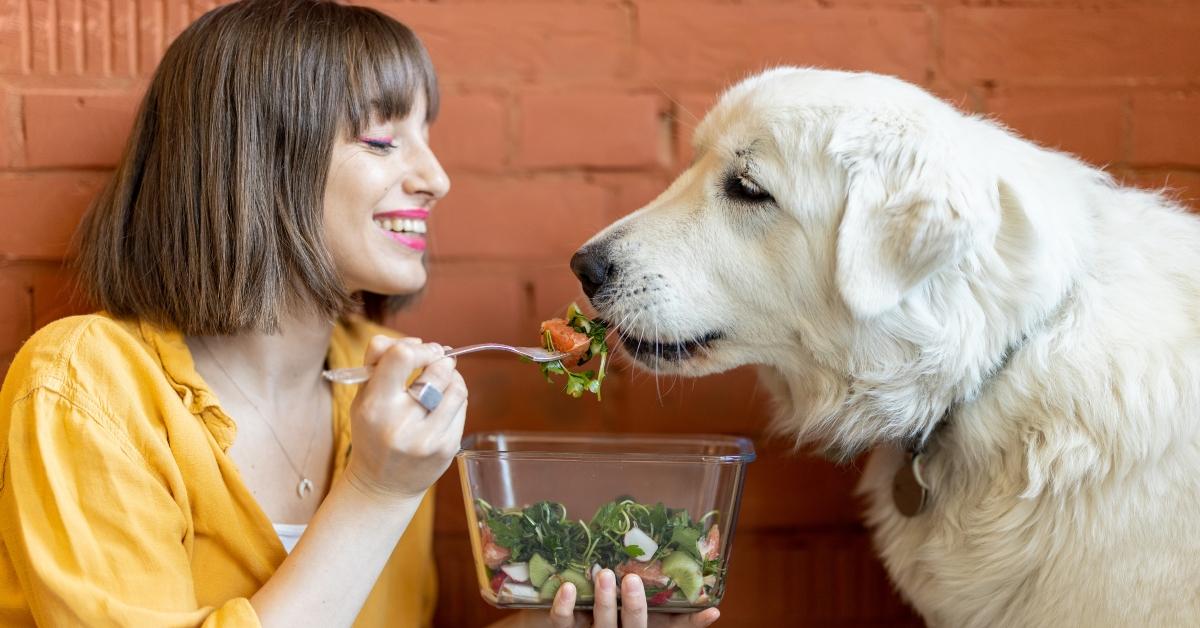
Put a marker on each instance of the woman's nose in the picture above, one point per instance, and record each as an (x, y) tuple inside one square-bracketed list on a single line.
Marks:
[(427, 178)]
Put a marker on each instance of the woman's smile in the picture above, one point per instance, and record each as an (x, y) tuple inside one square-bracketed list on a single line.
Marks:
[(406, 226)]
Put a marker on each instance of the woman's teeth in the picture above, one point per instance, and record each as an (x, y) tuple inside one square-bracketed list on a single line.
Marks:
[(401, 225)]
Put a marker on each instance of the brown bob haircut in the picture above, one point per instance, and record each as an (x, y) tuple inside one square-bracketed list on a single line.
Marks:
[(212, 222)]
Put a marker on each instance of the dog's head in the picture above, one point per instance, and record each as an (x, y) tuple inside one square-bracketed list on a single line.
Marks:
[(828, 229)]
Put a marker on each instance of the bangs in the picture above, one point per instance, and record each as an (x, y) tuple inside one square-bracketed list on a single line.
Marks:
[(386, 68)]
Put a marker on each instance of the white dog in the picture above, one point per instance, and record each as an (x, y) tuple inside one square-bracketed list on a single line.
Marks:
[(913, 279)]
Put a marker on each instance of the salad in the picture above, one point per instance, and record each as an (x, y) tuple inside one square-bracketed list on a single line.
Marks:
[(530, 552), (583, 339)]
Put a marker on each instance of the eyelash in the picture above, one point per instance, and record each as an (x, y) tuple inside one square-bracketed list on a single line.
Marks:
[(377, 144), (740, 187)]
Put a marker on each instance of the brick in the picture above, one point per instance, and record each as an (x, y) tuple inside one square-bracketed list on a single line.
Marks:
[(16, 313), (55, 294), (554, 287), (78, 130), (41, 211), (729, 403), (1091, 126), (123, 37), (829, 498), (43, 36), (70, 37), (12, 139), (842, 580), (707, 44), (494, 218), (471, 132), (465, 304), (1025, 45), (1180, 186), (151, 27), (14, 39), (97, 37), (690, 109), (496, 43), (607, 130), (1165, 128), (510, 394), (632, 191)]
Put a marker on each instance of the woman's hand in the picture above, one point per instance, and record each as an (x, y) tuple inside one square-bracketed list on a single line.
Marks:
[(632, 613), (398, 448)]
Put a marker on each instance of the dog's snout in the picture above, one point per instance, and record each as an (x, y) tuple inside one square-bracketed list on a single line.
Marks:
[(592, 266)]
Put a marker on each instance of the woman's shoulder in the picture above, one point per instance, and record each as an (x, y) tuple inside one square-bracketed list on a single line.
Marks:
[(74, 355)]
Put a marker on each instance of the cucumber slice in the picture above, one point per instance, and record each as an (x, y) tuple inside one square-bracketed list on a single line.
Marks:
[(583, 588), (550, 587), (539, 570), (685, 572)]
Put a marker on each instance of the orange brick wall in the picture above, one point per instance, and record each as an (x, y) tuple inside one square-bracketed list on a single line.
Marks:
[(560, 117)]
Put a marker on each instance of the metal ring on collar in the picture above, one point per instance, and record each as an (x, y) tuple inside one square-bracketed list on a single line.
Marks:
[(426, 394)]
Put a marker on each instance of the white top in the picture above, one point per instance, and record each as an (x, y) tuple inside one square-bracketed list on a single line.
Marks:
[(289, 533)]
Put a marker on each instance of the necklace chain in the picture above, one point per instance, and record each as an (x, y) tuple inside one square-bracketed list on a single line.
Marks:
[(305, 485)]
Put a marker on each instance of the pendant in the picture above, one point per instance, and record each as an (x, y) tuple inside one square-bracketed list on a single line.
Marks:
[(304, 487)]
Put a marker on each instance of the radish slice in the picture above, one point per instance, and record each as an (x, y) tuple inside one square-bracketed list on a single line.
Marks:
[(636, 537), (515, 592), (517, 571)]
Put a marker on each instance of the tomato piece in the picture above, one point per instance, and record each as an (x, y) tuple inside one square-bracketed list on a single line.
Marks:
[(566, 338), (493, 555), (659, 598), (497, 581)]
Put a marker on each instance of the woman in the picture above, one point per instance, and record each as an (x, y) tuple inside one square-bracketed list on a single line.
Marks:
[(162, 457)]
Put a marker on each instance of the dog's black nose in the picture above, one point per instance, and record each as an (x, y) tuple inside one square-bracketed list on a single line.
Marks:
[(592, 266)]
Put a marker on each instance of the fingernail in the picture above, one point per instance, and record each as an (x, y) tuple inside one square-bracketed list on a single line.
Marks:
[(631, 583), (604, 580)]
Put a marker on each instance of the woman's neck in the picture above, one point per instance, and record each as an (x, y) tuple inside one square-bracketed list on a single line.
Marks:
[(274, 370)]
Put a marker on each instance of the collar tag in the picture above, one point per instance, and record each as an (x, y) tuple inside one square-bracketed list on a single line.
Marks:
[(909, 490)]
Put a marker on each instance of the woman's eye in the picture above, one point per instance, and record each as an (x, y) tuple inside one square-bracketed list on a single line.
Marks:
[(741, 187), (379, 144)]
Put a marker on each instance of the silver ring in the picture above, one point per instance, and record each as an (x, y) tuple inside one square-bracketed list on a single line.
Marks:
[(426, 394)]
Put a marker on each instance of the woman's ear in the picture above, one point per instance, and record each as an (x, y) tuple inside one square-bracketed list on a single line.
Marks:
[(914, 205)]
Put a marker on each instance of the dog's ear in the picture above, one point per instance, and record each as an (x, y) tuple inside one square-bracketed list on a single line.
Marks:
[(912, 206)]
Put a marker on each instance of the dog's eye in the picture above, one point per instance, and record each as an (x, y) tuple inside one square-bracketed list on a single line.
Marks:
[(741, 187)]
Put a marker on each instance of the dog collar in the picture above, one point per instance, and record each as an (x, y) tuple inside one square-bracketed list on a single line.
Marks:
[(910, 488)]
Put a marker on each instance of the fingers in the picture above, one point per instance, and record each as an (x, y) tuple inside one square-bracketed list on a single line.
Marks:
[(394, 365), (380, 344), (633, 602), (604, 608), (562, 609), (702, 619), (451, 414)]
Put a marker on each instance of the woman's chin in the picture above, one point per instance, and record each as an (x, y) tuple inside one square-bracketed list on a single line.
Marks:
[(411, 283)]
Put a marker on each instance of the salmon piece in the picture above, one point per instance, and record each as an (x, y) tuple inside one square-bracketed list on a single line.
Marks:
[(710, 544), (493, 555), (566, 338), (650, 573)]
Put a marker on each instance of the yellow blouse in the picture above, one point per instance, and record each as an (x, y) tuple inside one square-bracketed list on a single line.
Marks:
[(119, 505)]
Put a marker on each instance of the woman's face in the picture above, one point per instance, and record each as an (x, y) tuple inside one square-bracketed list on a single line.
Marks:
[(381, 188)]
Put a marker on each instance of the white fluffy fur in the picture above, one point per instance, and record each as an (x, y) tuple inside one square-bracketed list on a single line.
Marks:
[(909, 248)]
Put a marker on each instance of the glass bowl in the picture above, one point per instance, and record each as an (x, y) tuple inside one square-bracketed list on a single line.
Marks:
[(547, 508)]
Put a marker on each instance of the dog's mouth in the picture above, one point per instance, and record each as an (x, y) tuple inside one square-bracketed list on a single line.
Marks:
[(649, 351)]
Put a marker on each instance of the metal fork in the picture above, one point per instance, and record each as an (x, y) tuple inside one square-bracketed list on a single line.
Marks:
[(360, 374)]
